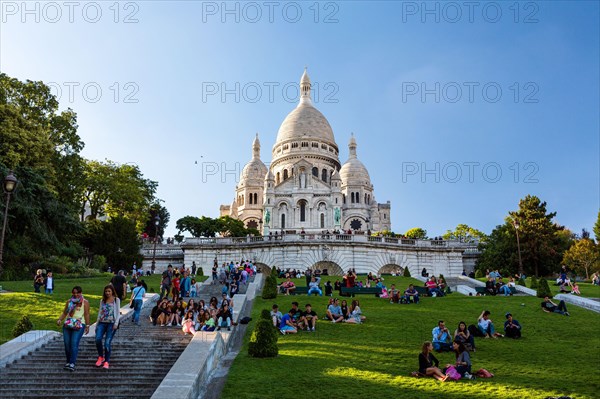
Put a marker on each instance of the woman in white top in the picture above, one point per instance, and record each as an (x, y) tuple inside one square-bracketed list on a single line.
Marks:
[(107, 324)]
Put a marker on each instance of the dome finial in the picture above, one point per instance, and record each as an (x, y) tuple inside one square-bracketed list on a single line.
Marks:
[(352, 146), (256, 147), (305, 87)]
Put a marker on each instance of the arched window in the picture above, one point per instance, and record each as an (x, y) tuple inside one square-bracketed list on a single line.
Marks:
[(243, 200), (324, 175), (357, 198), (344, 198), (366, 198), (255, 198), (283, 221), (250, 199), (277, 181), (302, 204), (322, 220), (315, 171), (285, 174), (352, 197)]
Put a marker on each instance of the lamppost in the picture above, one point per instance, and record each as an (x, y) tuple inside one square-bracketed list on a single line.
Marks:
[(260, 227), (10, 183), (516, 224), (156, 223)]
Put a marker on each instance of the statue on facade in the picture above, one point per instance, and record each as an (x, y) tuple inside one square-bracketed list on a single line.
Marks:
[(337, 215), (267, 217)]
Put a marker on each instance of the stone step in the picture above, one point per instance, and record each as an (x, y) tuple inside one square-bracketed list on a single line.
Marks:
[(18, 393)]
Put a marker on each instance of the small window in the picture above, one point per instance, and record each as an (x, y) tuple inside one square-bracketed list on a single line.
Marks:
[(305, 144), (324, 175), (285, 174), (323, 146), (315, 145), (315, 171), (322, 220)]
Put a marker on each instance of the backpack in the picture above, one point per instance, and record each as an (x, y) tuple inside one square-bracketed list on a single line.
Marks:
[(483, 373), (453, 374)]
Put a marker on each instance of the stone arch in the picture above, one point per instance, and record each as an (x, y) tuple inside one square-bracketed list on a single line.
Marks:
[(391, 268), (263, 268), (333, 269)]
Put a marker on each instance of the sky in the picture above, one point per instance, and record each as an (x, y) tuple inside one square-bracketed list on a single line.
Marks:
[(460, 109)]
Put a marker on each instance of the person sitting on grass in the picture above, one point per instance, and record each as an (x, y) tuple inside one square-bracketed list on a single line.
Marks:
[(574, 288), (287, 326), (463, 359), (313, 287), (345, 309), (328, 288), (432, 287), (596, 279), (394, 294), (334, 312), (355, 316), (309, 318), (428, 363), (550, 307), (441, 337), (411, 294), (463, 336), (485, 325), (512, 328), (287, 286), (297, 314), (276, 316), (490, 287)]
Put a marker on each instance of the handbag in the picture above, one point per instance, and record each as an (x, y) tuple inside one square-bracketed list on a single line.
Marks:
[(73, 323), (131, 305)]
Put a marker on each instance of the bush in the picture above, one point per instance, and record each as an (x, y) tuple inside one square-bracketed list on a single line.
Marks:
[(98, 262), (521, 282), (478, 274), (263, 342), (534, 282), (200, 272), (22, 326), (270, 288), (265, 314), (274, 272), (543, 289), (406, 272)]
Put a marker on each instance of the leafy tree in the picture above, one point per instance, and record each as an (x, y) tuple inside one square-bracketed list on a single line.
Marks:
[(583, 257), (270, 288), (542, 241), (116, 239), (465, 233), (406, 272), (163, 214), (416, 233), (597, 228), (198, 227)]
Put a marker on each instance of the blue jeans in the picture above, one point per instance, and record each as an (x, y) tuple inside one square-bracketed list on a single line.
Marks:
[(504, 290), (101, 330), (442, 346), (490, 330), (137, 309), (315, 290), (71, 339), (49, 290)]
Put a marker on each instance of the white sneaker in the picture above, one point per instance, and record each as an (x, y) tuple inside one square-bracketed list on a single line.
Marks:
[(169, 325), (282, 332)]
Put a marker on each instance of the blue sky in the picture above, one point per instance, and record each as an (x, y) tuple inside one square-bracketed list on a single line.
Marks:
[(458, 113)]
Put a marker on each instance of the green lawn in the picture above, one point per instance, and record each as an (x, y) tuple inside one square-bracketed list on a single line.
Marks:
[(42, 309), (558, 355)]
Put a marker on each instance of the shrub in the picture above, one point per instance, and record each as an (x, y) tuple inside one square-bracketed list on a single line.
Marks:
[(522, 282), (274, 272), (265, 314), (478, 274), (534, 282), (200, 272), (406, 272), (543, 289), (263, 341), (99, 262), (270, 288), (22, 326), (448, 290)]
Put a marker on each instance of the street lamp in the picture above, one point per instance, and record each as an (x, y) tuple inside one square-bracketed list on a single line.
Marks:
[(516, 224), (156, 223), (10, 183), (260, 227)]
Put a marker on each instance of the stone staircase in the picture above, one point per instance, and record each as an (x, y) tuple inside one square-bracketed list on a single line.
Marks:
[(141, 357)]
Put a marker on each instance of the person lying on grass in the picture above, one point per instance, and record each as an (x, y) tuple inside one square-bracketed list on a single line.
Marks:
[(429, 364), (287, 326), (550, 307)]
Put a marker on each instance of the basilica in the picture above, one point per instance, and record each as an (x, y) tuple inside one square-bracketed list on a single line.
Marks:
[(306, 188)]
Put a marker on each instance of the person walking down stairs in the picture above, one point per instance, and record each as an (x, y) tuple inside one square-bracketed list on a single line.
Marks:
[(107, 324), (77, 321)]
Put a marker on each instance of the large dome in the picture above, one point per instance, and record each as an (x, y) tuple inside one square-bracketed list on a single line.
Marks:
[(305, 122)]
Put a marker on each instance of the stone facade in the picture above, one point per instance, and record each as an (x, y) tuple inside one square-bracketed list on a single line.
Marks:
[(306, 188)]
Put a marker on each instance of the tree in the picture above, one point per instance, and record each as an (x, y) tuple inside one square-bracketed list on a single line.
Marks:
[(543, 290), (542, 241), (465, 233), (416, 233), (198, 227), (116, 239), (597, 228), (163, 214), (263, 341), (583, 257)]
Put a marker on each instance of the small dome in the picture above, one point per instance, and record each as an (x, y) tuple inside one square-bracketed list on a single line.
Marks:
[(353, 171), (269, 175), (255, 169)]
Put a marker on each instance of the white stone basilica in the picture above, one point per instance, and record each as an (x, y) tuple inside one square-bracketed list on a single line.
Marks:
[(306, 188)]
